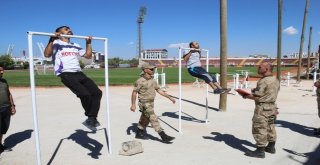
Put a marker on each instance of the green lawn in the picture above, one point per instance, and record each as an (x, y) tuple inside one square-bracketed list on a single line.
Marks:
[(119, 76)]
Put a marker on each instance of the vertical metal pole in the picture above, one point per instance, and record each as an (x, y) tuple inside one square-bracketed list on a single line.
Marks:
[(180, 93), (139, 41), (237, 81), (106, 77), (207, 63), (288, 79), (314, 80), (34, 102)]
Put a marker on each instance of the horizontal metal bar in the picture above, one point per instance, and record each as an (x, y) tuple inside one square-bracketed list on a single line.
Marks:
[(194, 49), (62, 35)]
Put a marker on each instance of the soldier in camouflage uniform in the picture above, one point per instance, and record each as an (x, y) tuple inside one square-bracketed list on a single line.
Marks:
[(317, 84), (146, 89), (263, 127)]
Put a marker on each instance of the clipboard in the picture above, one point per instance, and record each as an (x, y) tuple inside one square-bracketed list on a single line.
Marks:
[(242, 92)]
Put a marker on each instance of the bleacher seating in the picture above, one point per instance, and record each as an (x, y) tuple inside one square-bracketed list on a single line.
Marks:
[(236, 62)]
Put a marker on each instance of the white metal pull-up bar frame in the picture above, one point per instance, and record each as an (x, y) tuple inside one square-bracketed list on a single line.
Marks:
[(33, 92), (180, 86)]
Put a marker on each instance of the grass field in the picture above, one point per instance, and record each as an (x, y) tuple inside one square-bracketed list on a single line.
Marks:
[(118, 76)]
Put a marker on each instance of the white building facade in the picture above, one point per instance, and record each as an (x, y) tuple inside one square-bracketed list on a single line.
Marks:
[(154, 54)]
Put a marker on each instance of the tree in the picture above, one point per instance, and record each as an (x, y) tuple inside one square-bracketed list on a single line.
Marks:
[(134, 62), (114, 62), (25, 65), (6, 62)]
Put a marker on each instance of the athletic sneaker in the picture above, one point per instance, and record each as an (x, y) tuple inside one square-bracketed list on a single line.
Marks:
[(219, 91), (91, 124)]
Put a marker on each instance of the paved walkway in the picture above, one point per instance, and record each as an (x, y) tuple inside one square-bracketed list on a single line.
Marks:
[(222, 141)]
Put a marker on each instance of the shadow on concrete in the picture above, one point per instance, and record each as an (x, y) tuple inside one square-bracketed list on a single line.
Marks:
[(187, 117), (132, 129), (81, 137), (312, 157), (304, 130), (168, 124), (192, 102), (14, 139), (230, 140)]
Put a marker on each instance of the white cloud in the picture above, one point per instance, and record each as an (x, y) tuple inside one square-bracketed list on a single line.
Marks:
[(184, 45), (130, 43), (290, 31)]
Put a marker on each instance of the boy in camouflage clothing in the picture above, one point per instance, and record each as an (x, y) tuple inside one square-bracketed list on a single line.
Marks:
[(146, 89)]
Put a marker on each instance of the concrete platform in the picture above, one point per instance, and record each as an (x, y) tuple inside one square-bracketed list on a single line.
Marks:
[(223, 140)]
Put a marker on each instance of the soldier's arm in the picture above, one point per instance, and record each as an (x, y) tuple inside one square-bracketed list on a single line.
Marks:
[(251, 97), (133, 101), (164, 94)]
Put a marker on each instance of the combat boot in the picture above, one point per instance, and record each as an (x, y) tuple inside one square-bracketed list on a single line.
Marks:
[(140, 134), (270, 148), (165, 138), (258, 153)]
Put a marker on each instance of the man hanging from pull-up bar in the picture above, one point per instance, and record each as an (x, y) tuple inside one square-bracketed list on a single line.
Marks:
[(192, 57), (65, 55)]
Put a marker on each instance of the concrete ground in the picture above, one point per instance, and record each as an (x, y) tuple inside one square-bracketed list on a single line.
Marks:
[(223, 140)]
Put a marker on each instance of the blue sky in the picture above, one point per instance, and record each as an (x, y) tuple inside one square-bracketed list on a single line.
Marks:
[(252, 24)]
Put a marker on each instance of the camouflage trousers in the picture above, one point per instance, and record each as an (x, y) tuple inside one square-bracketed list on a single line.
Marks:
[(318, 101), (148, 116), (263, 126)]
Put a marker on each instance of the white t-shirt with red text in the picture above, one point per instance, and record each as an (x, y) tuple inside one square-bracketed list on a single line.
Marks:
[(66, 56)]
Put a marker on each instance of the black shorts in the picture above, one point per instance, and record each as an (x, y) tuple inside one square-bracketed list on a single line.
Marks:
[(5, 116)]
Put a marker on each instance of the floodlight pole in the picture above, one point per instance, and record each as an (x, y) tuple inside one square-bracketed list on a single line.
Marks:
[(33, 92)]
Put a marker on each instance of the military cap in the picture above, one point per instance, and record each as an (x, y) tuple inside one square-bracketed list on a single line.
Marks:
[(147, 66)]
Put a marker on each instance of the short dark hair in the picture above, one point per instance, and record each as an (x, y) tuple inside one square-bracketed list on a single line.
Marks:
[(190, 44), (59, 28)]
